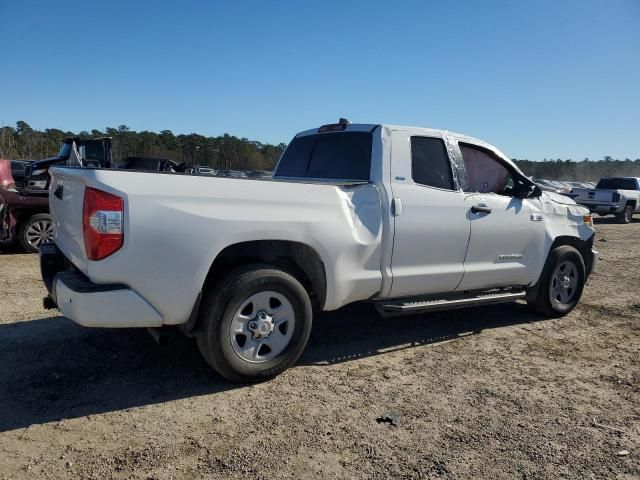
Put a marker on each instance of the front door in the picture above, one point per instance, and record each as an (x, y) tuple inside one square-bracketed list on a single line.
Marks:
[(507, 234)]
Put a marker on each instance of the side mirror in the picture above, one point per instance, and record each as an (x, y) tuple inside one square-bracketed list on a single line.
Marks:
[(537, 191), (527, 190)]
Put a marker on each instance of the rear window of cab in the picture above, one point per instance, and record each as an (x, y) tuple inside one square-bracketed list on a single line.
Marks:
[(332, 156)]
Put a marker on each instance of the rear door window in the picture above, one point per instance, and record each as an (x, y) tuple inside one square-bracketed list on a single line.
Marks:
[(339, 156), (430, 163)]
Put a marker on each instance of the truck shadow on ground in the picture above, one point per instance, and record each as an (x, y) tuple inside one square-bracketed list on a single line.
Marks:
[(611, 220), (12, 250), (53, 369)]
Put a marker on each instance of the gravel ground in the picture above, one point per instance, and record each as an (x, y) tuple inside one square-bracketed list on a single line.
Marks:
[(489, 392)]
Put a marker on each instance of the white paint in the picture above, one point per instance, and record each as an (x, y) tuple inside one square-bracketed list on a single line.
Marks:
[(113, 309), (175, 226)]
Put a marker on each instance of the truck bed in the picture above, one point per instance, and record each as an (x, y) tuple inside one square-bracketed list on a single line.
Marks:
[(176, 224)]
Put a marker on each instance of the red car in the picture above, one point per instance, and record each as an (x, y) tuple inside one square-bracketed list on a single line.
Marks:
[(23, 217), (24, 190)]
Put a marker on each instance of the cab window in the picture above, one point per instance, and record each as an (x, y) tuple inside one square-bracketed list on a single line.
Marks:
[(430, 164), (485, 172)]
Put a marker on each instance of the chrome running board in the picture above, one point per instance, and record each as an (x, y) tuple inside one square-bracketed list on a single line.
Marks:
[(410, 306)]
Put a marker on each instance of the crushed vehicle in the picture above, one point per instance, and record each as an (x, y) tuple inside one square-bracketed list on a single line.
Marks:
[(154, 164), (24, 190), (23, 216), (411, 219), (619, 196)]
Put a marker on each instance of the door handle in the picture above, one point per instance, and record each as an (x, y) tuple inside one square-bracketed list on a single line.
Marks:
[(396, 207), (480, 209)]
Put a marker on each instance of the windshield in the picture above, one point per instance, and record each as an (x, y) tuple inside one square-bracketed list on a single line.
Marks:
[(93, 150), (65, 150), (617, 184)]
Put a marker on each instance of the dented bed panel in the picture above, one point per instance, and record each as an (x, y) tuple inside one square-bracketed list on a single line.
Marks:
[(176, 225)]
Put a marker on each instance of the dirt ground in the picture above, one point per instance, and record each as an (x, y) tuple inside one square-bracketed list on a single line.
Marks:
[(489, 392)]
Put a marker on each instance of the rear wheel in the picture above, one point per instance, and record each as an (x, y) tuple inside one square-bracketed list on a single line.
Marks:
[(35, 231), (255, 324), (626, 216), (561, 283)]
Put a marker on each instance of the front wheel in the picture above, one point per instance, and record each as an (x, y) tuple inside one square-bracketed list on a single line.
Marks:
[(561, 283), (255, 324), (626, 216)]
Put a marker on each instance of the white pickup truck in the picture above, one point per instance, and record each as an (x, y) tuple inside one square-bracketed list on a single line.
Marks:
[(411, 219), (619, 196)]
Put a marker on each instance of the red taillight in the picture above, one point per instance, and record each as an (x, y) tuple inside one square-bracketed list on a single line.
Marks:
[(102, 223)]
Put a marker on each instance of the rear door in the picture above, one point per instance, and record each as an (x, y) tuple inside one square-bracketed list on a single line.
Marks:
[(431, 221), (507, 233)]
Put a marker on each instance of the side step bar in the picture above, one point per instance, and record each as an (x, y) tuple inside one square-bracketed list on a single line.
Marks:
[(400, 307)]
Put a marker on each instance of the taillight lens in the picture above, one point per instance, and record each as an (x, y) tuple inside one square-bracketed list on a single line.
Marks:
[(102, 223), (615, 197)]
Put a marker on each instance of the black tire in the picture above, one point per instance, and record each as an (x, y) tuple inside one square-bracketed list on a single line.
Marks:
[(625, 216), (25, 232), (547, 302), (221, 304)]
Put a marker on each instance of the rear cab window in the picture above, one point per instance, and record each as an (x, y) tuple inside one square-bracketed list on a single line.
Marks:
[(617, 184), (330, 156)]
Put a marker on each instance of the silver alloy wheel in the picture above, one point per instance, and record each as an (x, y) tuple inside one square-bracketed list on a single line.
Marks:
[(628, 213), (262, 327), (39, 232), (564, 283)]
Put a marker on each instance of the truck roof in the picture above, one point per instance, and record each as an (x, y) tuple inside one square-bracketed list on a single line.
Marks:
[(626, 178), (429, 132)]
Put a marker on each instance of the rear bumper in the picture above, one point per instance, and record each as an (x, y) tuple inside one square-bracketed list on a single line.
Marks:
[(90, 304), (603, 208)]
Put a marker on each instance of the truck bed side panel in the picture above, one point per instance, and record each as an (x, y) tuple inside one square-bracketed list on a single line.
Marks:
[(175, 226)]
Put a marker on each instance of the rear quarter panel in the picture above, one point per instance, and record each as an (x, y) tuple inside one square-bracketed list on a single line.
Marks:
[(175, 226)]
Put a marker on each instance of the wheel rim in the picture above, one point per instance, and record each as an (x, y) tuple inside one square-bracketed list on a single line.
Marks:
[(628, 214), (39, 232), (564, 283), (262, 327)]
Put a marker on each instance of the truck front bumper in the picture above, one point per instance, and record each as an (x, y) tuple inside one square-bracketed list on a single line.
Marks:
[(90, 304)]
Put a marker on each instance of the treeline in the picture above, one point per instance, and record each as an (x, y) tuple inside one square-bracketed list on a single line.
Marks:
[(229, 152), (222, 152), (583, 171)]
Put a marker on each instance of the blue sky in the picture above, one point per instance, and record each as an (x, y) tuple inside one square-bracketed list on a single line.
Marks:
[(539, 79)]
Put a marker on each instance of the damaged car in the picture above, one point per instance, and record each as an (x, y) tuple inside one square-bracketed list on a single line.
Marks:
[(24, 190), (24, 217)]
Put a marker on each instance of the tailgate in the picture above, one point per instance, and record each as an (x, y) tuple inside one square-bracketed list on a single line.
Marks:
[(592, 196), (66, 201)]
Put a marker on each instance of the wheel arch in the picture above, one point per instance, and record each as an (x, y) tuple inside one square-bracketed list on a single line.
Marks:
[(25, 213), (582, 246), (298, 259)]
